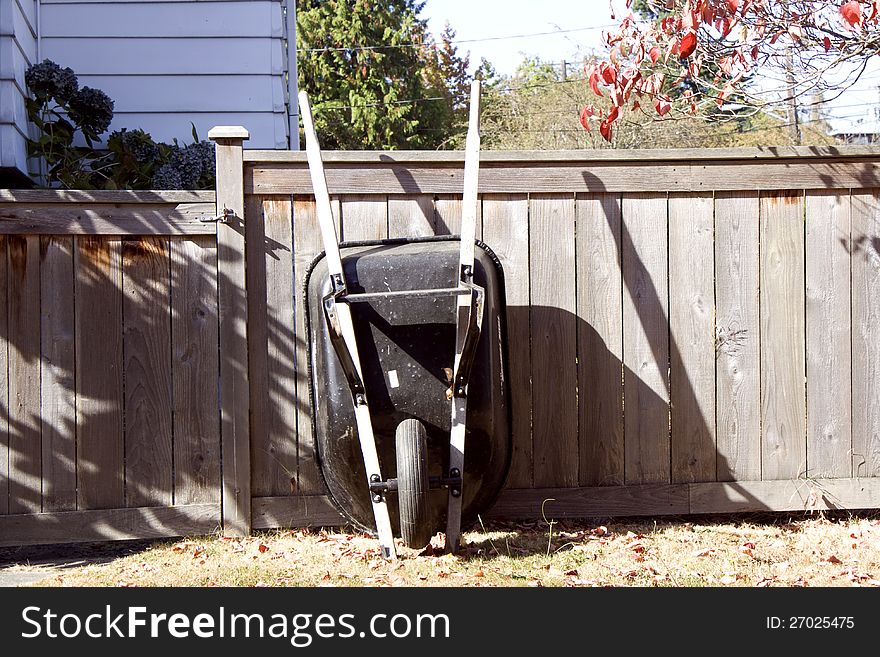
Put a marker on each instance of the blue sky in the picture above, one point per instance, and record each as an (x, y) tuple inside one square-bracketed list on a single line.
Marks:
[(482, 19)]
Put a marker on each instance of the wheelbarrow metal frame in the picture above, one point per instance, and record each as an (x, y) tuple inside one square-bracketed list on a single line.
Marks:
[(469, 319)]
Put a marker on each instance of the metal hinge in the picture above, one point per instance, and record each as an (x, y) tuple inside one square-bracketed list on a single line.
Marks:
[(223, 217)]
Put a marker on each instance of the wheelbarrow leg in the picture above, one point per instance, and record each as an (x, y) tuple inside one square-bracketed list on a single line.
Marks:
[(467, 306), (344, 328)]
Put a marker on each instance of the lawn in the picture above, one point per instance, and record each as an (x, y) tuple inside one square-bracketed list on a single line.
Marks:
[(776, 550)]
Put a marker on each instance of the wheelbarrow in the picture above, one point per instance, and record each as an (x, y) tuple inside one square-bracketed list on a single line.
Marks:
[(407, 359)]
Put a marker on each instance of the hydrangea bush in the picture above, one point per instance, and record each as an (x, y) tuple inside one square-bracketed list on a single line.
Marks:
[(61, 109)]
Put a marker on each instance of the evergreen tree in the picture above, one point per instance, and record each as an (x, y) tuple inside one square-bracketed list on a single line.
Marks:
[(373, 74)]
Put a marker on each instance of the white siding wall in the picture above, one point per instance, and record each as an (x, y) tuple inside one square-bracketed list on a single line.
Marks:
[(167, 63), (18, 49)]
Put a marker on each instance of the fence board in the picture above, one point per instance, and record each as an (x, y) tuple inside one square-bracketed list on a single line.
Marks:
[(549, 176), (557, 503), (232, 308), (866, 334), (364, 218), (783, 370), (106, 219), (506, 231), (554, 340), (447, 215), (57, 374), (109, 525), (738, 334), (25, 451), (645, 339), (281, 345), (828, 324), (306, 246), (98, 307), (195, 370), (299, 511), (600, 335), (263, 469), (411, 216), (692, 337), (4, 379), (147, 350), (785, 495)]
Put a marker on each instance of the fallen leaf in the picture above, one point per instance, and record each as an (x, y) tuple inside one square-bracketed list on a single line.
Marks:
[(832, 559), (263, 548), (781, 567)]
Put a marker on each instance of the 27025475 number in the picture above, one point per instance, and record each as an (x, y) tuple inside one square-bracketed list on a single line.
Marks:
[(810, 623)]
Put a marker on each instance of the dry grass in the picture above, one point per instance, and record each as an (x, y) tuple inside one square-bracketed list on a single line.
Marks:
[(812, 551)]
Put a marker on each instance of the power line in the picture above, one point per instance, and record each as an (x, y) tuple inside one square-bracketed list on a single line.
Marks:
[(455, 41)]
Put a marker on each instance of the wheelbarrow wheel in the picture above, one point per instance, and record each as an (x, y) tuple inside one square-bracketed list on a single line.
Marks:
[(412, 483)]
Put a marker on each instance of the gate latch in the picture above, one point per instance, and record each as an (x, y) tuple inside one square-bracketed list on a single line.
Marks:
[(223, 217)]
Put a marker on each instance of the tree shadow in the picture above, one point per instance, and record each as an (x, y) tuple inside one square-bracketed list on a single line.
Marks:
[(111, 349)]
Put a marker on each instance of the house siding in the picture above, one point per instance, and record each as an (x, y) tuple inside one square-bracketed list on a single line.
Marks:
[(167, 64), (18, 49)]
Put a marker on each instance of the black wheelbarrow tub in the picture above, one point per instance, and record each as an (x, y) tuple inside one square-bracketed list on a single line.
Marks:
[(406, 348)]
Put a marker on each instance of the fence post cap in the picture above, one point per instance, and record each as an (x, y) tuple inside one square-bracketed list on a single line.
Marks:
[(228, 132)]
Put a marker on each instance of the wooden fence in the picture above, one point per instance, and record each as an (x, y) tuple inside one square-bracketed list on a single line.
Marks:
[(689, 332)]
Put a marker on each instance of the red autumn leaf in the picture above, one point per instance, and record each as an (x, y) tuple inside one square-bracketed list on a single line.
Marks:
[(586, 113), (827, 43), (654, 54), (852, 13), (594, 83), (755, 52), (733, 5), (662, 104), (725, 92), (613, 113), (875, 8), (263, 548), (832, 559), (605, 130), (609, 73), (688, 45)]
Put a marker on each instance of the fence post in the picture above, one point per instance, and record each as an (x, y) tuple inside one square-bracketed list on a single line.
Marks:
[(233, 318)]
